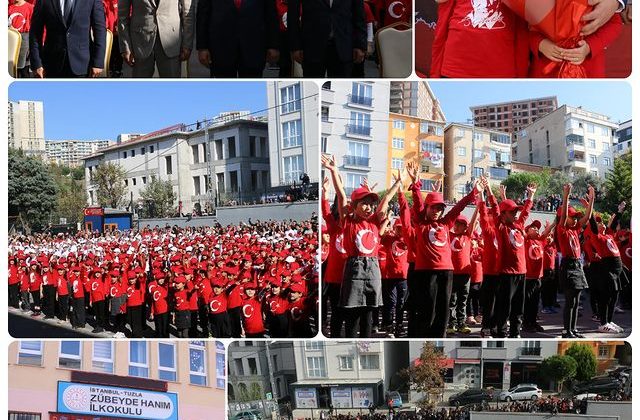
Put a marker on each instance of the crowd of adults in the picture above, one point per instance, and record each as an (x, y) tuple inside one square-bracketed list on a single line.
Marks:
[(248, 280)]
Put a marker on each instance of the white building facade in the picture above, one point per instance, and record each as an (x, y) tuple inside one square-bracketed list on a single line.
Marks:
[(355, 129), (293, 132), (72, 152), (26, 127), (623, 139), (572, 139), (208, 167)]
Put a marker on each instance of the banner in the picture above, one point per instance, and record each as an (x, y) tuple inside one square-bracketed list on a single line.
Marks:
[(362, 396), (306, 398), (341, 397), (98, 400)]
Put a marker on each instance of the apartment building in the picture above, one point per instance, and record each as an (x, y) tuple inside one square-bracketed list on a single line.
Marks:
[(622, 139), (72, 152), (415, 99), (26, 127)]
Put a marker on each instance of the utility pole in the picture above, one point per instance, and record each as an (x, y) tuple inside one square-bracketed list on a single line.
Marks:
[(274, 391)]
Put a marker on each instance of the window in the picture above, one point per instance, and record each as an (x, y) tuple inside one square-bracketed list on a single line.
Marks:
[(433, 147), (239, 368), (126, 182), (102, 359), (197, 363), (290, 98), (70, 355), (124, 155), (592, 143), (167, 162), (194, 153), (591, 128), (604, 131), (361, 93), (133, 180), (142, 150), (196, 185), (462, 151), (150, 149), (345, 362), (477, 154), (498, 173), (471, 344), (24, 416), (461, 189), (397, 163), (323, 141), (253, 366), (291, 134), (144, 180), (313, 345), (369, 361), (606, 147), (138, 359), (478, 172), (231, 143), (133, 153), (397, 143), (593, 159), (167, 362), (426, 185), (606, 161), (462, 169), (30, 353), (353, 181), (477, 136), (603, 351), (220, 365), (359, 123), (293, 168), (432, 129), (398, 124), (315, 367), (325, 113), (460, 132)]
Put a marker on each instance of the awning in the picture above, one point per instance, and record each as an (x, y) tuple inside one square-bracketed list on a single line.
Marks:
[(447, 363), (327, 383), (467, 361)]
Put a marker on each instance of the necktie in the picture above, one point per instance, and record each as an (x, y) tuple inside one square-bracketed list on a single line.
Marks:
[(68, 4)]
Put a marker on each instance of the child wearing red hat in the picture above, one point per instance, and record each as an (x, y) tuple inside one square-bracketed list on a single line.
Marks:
[(218, 315), (534, 252), (14, 283), (252, 321), (299, 310), (78, 314), (62, 289), (275, 308), (97, 295), (118, 301), (159, 292), (182, 312), (135, 303), (48, 289), (35, 283)]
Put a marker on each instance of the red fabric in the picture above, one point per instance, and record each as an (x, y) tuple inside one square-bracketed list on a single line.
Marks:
[(568, 241), (238, 4), (13, 274), (625, 251), (76, 286), (549, 261), (20, 17), (368, 14), (235, 297), (396, 252), (535, 258), (511, 240), (252, 316), (277, 305), (47, 279), (396, 11), (35, 281), (300, 310), (181, 299), (605, 245), (111, 14), (217, 303), (476, 265), (62, 285), (159, 296), (361, 237), (96, 286), (135, 295), (490, 254), (460, 253), (588, 247)]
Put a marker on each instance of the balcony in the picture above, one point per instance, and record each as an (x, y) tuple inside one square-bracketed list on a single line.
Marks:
[(474, 353), (495, 353), (356, 161), (358, 130), (574, 139), (361, 100), (530, 353)]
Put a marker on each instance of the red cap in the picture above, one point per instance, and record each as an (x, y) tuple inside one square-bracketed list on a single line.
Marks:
[(462, 219), (509, 205), (535, 223), (180, 279), (251, 285), (131, 275), (296, 288), (433, 198), (218, 282), (362, 193), (275, 282)]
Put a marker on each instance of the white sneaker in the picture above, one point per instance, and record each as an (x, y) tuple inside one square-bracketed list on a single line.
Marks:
[(119, 335), (617, 327), (606, 328)]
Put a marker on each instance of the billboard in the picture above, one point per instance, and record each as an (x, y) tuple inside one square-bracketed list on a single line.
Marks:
[(362, 396), (99, 400), (341, 397), (306, 398)]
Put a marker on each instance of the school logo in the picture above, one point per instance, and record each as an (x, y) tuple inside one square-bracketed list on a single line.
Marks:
[(438, 236), (457, 244), (398, 248), (76, 398), (612, 247), (338, 244), (515, 237), (396, 9), (247, 311), (486, 14), (366, 241), (534, 252)]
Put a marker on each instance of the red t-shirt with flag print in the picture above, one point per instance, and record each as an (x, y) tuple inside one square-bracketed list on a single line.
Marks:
[(20, 17), (535, 258), (511, 240), (252, 316), (568, 241), (217, 303), (361, 236), (460, 252)]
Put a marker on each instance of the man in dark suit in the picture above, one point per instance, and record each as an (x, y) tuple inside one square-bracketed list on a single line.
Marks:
[(68, 50), (235, 38), (327, 36)]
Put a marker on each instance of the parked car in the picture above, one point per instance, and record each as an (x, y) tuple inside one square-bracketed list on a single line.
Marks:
[(621, 372), (521, 392), (602, 385), (470, 396), (248, 415), (394, 400)]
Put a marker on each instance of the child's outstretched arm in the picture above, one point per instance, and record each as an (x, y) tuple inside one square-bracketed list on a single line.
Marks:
[(384, 203), (330, 165)]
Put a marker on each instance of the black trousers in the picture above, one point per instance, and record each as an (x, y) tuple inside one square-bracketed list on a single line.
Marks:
[(549, 288), (531, 301), (429, 292), (98, 309), (62, 71), (278, 325), (609, 278), (358, 320), (473, 302), (78, 316), (14, 295), (300, 329), (458, 300), (134, 318), (63, 307), (332, 65), (592, 274), (332, 295), (488, 294), (220, 325), (193, 330), (49, 300), (394, 294), (235, 321), (571, 303), (161, 323), (284, 62), (232, 70), (510, 304), (35, 295)]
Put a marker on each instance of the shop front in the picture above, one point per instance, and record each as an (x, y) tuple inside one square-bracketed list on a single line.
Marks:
[(343, 395)]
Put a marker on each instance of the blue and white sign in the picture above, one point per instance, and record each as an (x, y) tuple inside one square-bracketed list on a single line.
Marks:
[(102, 400)]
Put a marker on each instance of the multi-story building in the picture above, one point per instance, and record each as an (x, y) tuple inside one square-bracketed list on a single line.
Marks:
[(338, 373), (605, 352), (622, 139), (26, 127), (415, 99), (207, 166), (513, 116), (572, 139), (148, 379), (293, 132), (252, 364), (416, 140), (355, 129), (72, 152), (470, 152)]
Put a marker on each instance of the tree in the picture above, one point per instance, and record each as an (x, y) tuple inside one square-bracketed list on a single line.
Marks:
[(581, 183), (517, 183), (558, 369), (255, 392), (31, 190), (159, 198), (556, 181), (618, 187), (427, 371), (585, 360), (109, 178), (71, 198)]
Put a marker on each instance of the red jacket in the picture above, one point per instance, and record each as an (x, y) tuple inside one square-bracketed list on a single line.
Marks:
[(252, 316), (511, 243), (490, 254)]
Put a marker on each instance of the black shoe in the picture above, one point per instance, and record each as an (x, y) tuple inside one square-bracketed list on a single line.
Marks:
[(528, 328), (568, 335), (538, 328), (577, 334)]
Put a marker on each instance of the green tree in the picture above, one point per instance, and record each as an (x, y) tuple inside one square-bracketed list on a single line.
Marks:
[(618, 187), (557, 180), (71, 198), (517, 183), (581, 183), (31, 190), (585, 360), (255, 392), (159, 198), (427, 372), (558, 369), (109, 179)]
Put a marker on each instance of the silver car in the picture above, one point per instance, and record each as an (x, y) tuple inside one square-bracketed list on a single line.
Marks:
[(521, 392)]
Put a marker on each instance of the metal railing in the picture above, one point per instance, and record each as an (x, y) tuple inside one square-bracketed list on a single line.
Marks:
[(360, 130), (356, 161), (361, 100)]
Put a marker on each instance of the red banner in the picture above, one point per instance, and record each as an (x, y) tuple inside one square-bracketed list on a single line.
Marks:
[(94, 211)]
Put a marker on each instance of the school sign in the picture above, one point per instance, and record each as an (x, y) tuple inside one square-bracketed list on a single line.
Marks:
[(99, 400)]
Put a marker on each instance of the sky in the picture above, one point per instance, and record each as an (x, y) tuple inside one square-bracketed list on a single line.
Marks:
[(608, 98), (102, 110)]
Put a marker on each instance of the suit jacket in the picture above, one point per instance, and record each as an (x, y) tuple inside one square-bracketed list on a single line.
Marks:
[(311, 35), (228, 32), (72, 39), (171, 20)]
